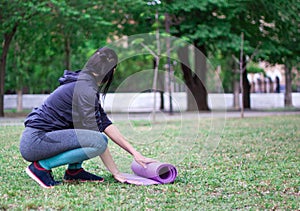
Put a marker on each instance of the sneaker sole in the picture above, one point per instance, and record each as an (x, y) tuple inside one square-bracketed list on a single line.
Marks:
[(35, 178), (76, 181)]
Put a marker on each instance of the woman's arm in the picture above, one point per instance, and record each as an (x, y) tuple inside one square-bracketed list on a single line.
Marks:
[(114, 134), (109, 162), (112, 168)]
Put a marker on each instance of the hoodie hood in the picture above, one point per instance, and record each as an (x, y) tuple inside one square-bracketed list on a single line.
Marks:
[(68, 77)]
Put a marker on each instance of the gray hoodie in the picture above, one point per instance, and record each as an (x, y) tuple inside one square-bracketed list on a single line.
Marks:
[(74, 104)]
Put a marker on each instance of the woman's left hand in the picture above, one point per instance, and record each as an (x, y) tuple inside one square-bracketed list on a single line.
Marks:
[(143, 161)]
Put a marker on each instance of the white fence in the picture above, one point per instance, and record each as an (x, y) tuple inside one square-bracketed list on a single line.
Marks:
[(143, 102)]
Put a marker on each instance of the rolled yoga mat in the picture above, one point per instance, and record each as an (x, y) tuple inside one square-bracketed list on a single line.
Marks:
[(155, 173)]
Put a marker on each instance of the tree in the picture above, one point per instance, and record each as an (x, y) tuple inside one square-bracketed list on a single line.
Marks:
[(13, 15), (57, 27), (74, 23), (196, 88), (213, 26), (284, 38), (201, 32), (40, 38), (242, 19), (273, 26)]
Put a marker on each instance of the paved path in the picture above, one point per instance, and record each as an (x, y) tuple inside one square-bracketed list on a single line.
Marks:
[(160, 116)]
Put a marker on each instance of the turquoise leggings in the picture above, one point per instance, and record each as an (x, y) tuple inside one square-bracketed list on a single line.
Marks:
[(61, 147)]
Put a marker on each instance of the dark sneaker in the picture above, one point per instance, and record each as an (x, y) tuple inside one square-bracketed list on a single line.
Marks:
[(40, 175), (81, 175)]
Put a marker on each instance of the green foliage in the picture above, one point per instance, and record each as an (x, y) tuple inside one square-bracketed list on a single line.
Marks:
[(255, 167), (49, 33), (128, 68), (227, 67), (285, 34), (41, 55), (253, 68)]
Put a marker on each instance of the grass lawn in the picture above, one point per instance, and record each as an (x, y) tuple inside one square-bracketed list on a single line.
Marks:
[(255, 166)]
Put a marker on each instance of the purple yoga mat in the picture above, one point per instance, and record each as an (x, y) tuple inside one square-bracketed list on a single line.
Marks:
[(155, 173)]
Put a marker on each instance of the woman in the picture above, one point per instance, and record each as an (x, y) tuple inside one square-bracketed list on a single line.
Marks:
[(68, 128)]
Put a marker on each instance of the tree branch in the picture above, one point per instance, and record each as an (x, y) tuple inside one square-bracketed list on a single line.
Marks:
[(150, 51)]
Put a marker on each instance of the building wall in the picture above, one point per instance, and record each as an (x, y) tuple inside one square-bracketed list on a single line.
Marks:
[(143, 102)]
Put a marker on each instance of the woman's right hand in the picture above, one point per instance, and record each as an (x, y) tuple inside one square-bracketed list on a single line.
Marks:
[(121, 178)]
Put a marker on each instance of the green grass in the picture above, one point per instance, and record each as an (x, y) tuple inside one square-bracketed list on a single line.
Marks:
[(254, 167)]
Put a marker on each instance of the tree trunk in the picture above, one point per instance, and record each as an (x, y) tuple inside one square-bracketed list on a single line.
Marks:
[(197, 93), (7, 40), (160, 86), (200, 77), (236, 93), (68, 52), (246, 87), (288, 87), (235, 84), (19, 100), (200, 62)]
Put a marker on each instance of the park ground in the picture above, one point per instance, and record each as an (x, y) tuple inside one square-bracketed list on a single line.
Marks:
[(253, 165)]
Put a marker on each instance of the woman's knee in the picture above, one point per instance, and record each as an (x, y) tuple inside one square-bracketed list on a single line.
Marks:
[(96, 140), (104, 138), (102, 143)]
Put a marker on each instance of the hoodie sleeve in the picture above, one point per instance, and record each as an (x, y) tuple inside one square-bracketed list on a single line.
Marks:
[(87, 111), (103, 121), (92, 114)]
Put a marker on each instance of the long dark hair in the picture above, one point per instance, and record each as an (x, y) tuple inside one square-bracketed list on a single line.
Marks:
[(102, 65)]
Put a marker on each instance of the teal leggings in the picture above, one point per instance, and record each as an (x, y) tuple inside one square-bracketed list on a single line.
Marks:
[(61, 147)]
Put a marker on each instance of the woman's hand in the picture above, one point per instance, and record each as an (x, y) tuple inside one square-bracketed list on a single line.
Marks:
[(121, 178), (143, 161)]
